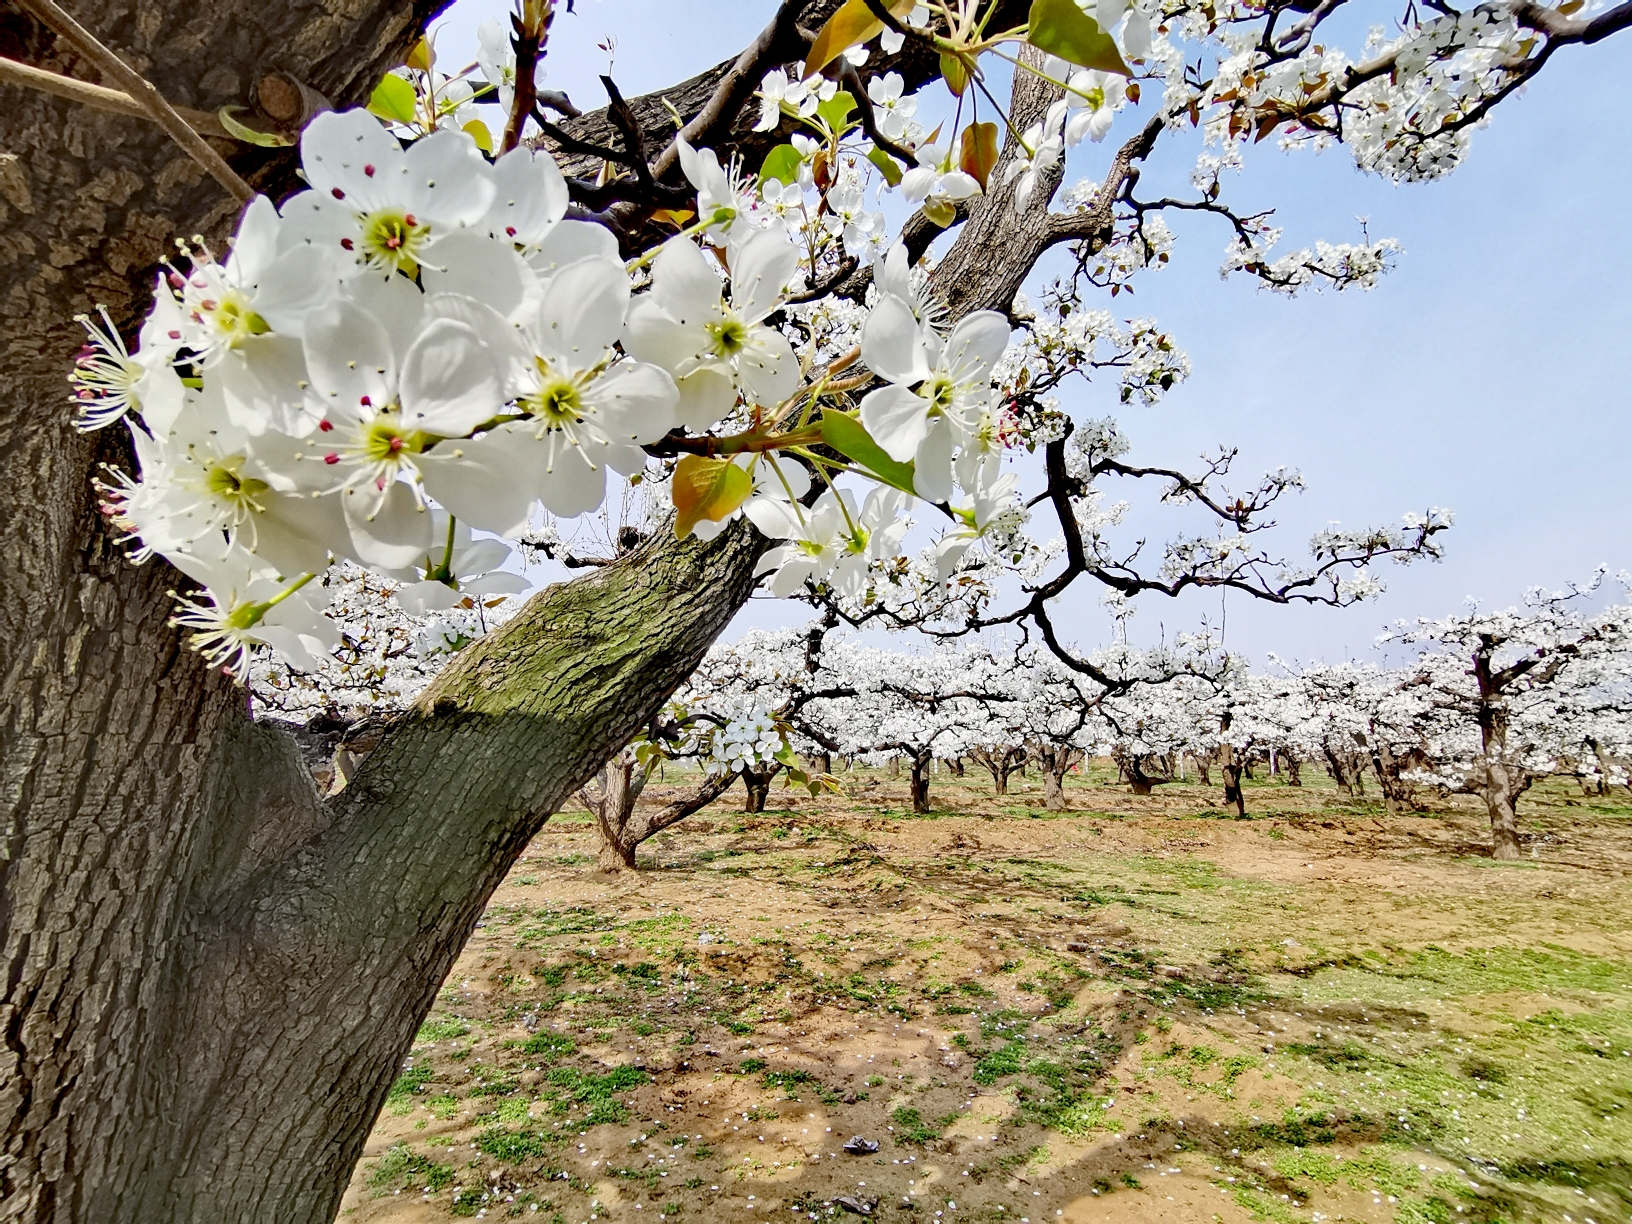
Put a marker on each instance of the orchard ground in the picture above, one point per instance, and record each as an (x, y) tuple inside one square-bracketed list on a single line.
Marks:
[(1138, 1010)]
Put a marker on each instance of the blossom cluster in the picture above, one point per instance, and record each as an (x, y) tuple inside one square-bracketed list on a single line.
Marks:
[(422, 345)]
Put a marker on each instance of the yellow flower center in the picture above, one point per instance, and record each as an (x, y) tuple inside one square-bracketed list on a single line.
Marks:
[(385, 442), (393, 240), (939, 391), (232, 318), (225, 481), (557, 402), (727, 337)]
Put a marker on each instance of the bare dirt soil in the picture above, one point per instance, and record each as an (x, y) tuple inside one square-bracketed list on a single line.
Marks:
[(1139, 1010)]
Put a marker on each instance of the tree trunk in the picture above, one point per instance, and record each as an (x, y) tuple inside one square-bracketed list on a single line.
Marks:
[(920, 782), (1054, 763), (955, 764), (1234, 796), (1292, 766), (618, 852), (213, 974), (612, 801), (757, 782)]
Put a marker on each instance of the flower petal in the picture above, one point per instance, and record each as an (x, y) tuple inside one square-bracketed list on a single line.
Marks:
[(291, 286), (705, 397), (570, 241), (449, 383), (582, 313), (932, 463), (449, 183), (767, 367), (350, 361), (684, 284), (486, 482), (760, 272), (635, 401), (892, 344), (262, 386), (897, 419), (336, 147), (975, 345), (388, 528), (479, 267), (529, 197)]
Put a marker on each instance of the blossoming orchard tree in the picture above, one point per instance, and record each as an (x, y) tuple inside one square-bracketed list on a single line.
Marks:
[(1508, 696), (212, 970)]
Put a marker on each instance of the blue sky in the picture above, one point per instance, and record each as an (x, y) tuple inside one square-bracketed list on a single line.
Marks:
[(1485, 374)]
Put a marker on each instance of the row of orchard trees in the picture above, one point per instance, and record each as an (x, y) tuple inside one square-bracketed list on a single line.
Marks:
[(1484, 703)]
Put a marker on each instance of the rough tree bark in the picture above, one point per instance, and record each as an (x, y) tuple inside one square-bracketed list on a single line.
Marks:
[(212, 973)]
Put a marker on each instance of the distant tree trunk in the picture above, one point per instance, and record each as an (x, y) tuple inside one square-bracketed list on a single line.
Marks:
[(895, 767), (1139, 779), (1398, 794), (1055, 762), (1231, 764), (758, 784), (955, 764), (1204, 772), (821, 763), (1001, 762), (1336, 767), (1500, 788), (920, 780), (612, 801), (1293, 767)]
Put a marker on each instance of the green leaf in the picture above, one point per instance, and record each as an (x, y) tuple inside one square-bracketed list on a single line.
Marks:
[(393, 98), (267, 140), (782, 164), (1060, 28), (850, 26), (955, 73), (850, 438), (835, 112), (940, 213), (479, 133), (706, 489), (886, 165)]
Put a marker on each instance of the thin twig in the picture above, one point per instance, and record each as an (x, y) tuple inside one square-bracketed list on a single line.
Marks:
[(531, 30), (143, 91), (98, 97)]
